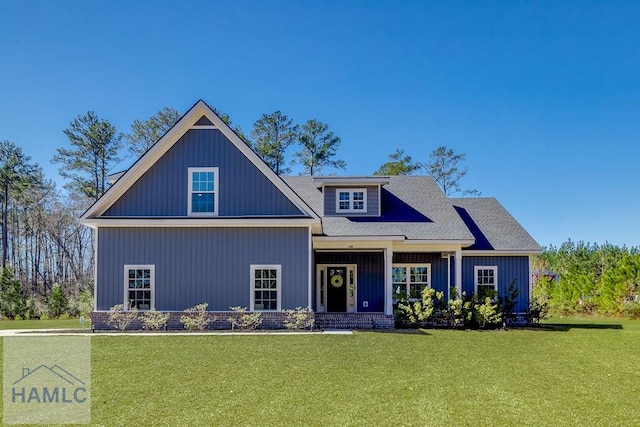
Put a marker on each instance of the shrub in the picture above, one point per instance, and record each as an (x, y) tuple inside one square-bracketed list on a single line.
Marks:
[(196, 318), (245, 320), (630, 308), (36, 308), (57, 302), (400, 316), (82, 305), (459, 310), (538, 309), (423, 310), (120, 317), (153, 320), (298, 319), (508, 302), (487, 312), (12, 301)]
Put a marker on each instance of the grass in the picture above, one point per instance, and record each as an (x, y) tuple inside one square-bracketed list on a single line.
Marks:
[(572, 372), (45, 324)]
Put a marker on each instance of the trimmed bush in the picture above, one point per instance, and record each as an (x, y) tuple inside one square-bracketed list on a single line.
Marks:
[(245, 320), (196, 318), (153, 320), (120, 317), (298, 319)]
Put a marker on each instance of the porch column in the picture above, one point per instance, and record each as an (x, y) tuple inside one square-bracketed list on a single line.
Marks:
[(311, 272), (459, 271), (388, 280)]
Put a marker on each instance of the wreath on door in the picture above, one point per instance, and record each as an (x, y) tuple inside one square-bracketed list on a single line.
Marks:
[(337, 281)]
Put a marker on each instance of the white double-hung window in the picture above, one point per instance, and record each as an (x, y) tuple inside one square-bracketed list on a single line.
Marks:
[(265, 287), (203, 192), (411, 279), (139, 286), (351, 200), (486, 281)]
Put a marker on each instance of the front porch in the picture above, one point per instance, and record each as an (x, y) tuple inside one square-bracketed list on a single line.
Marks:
[(353, 279)]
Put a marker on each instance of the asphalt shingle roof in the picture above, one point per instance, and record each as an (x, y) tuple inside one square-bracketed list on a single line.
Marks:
[(493, 226), (415, 207), (412, 206)]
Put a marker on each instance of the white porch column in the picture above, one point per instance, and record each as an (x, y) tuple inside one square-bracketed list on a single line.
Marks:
[(448, 276), (310, 267), (459, 271), (388, 280), (95, 269)]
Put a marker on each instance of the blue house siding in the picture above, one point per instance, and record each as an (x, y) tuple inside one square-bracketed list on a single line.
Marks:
[(373, 198), (439, 271), (195, 265), (370, 268), (163, 189), (509, 268)]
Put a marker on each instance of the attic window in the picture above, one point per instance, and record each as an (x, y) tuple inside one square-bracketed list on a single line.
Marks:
[(203, 192), (351, 200)]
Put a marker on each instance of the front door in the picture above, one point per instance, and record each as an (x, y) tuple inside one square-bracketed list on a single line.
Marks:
[(337, 289)]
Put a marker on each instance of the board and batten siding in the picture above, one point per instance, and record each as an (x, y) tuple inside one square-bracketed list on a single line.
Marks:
[(510, 268), (439, 272), (163, 189), (373, 199), (196, 265)]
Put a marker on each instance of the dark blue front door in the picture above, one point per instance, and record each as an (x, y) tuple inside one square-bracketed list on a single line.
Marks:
[(337, 289)]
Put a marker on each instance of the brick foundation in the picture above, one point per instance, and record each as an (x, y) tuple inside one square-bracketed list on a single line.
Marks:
[(270, 321), (218, 321), (354, 321)]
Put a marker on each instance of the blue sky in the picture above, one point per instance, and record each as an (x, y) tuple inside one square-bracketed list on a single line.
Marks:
[(542, 96)]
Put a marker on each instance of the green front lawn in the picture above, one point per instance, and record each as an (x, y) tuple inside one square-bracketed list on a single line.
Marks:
[(574, 372), (45, 324)]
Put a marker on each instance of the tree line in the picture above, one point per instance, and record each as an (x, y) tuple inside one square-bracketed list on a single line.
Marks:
[(48, 256), (587, 278)]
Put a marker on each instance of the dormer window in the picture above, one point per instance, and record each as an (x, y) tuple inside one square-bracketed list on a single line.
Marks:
[(351, 200), (203, 191)]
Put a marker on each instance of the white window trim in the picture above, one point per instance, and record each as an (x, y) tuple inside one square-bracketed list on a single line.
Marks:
[(216, 196), (152, 269), (485, 267), (278, 269), (408, 266), (351, 191)]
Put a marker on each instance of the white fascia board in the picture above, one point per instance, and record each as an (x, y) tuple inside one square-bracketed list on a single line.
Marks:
[(350, 180), (350, 245), (461, 243), (357, 238), (500, 253), (198, 222), (168, 140), (431, 247), (114, 177)]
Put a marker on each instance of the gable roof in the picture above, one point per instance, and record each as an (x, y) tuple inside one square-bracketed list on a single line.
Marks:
[(202, 116), (493, 227), (412, 206)]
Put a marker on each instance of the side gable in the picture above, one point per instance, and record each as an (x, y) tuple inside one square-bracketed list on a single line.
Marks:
[(157, 184)]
